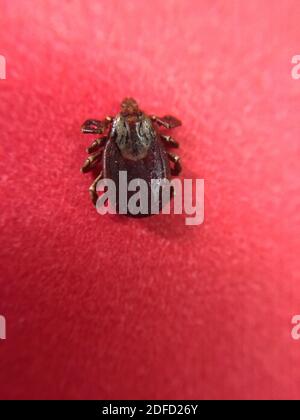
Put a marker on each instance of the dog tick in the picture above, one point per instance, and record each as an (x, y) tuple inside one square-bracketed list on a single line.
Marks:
[(131, 143)]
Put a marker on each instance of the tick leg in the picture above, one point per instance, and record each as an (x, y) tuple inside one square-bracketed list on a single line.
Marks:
[(96, 126), (96, 145), (167, 121), (177, 165), (91, 161), (93, 189), (170, 141)]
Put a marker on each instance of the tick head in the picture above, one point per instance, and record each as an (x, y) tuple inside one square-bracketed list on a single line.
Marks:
[(129, 107)]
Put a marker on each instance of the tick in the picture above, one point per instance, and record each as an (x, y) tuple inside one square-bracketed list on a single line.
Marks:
[(131, 142)]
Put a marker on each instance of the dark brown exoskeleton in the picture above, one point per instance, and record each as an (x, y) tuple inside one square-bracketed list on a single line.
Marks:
[(133, 144)]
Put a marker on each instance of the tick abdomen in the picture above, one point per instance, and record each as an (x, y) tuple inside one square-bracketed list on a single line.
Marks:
[(154, 166)]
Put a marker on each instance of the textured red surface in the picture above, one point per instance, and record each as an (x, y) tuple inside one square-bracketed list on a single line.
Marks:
[(108, 307)]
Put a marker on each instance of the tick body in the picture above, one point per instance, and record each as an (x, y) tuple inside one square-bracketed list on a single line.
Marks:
[(131, 142)]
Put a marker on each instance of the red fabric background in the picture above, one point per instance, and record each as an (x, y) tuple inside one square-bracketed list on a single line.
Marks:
[(109, 307)]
